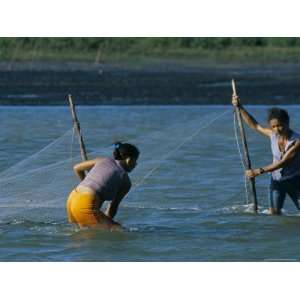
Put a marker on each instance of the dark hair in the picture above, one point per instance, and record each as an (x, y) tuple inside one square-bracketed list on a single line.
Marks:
[(279, 114), (124, 150)]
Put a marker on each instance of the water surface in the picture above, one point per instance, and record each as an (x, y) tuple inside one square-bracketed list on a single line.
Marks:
[(191, 208)]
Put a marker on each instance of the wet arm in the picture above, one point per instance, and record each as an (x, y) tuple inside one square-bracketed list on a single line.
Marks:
[(250, 121), (286, 159), (79, 169), (114, 205)]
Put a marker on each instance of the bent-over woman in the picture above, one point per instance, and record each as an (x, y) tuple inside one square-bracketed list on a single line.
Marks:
[(107, 180)]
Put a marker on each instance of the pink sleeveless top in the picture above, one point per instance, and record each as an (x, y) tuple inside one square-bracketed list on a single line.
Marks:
[(106, 178)]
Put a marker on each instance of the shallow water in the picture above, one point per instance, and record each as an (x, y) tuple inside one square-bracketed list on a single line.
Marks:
[(191, 208)]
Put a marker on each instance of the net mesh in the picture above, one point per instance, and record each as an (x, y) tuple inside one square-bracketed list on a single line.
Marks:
[(37, 187)]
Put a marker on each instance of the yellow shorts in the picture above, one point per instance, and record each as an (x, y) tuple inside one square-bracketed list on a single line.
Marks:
[(83, 209)]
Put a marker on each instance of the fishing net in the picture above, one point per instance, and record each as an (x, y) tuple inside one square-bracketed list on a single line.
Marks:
[(39, 182), (37, 187)]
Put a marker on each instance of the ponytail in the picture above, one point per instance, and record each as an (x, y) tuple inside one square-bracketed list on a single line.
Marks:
[(116, 153), (124, 150)]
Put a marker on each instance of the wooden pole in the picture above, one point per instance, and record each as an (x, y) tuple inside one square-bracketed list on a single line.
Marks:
[(77, 128), (98, 56), (245, 149)]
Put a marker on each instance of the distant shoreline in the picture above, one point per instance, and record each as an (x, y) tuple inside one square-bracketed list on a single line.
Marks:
[(145, 64), (155, 82)]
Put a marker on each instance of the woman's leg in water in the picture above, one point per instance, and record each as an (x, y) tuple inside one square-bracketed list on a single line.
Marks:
[(276, 197), (103, 221), (293, 190)]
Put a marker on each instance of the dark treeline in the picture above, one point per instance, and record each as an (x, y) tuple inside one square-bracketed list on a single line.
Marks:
[(148, 70), (88, 48), (124, 44)]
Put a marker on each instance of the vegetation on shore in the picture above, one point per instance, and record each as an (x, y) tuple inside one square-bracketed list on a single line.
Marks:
[(99, 50)]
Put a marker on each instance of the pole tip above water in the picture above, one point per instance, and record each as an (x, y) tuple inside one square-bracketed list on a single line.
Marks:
[(233, 86)]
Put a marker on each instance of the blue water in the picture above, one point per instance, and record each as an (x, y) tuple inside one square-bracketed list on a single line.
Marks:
[(191, 208)]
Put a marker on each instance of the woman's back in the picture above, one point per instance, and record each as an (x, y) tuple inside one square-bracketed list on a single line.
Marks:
[(106, 178)]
